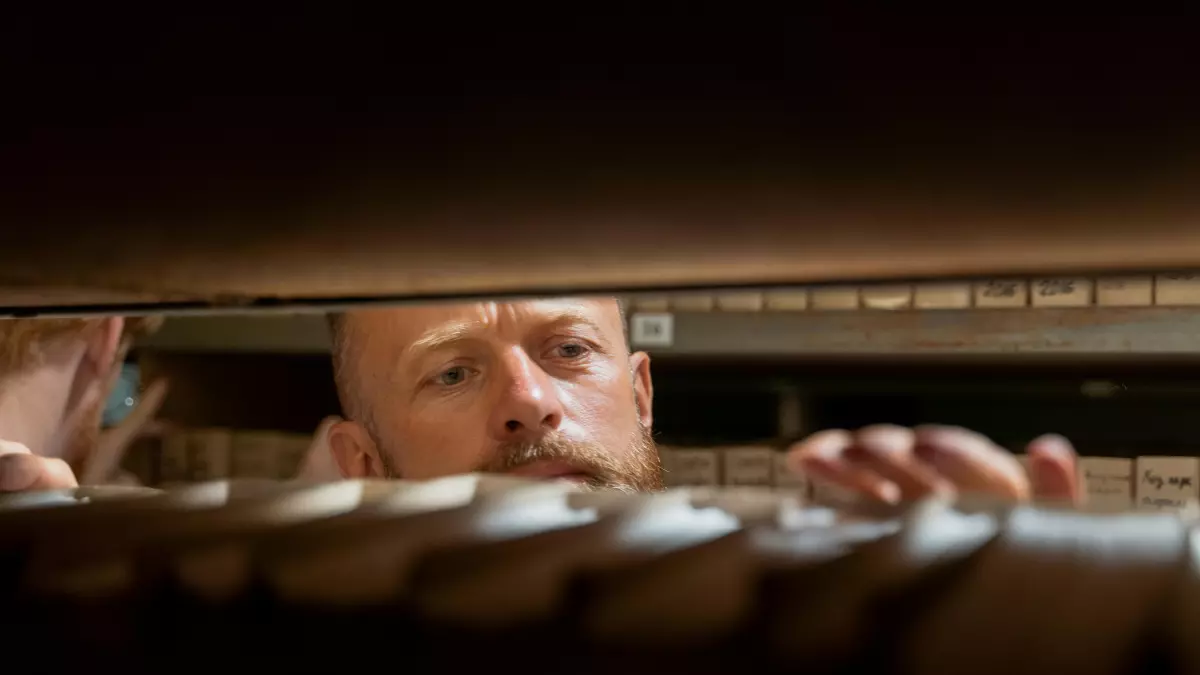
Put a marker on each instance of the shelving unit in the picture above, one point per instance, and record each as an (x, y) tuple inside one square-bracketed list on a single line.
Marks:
[(1084, 330)]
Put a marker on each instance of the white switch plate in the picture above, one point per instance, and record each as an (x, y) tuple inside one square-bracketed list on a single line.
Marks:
[(652, 330)]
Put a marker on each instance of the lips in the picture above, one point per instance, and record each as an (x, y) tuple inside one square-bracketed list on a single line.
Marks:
[(551, 471)]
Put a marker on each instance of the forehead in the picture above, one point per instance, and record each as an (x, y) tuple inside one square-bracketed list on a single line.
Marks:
[(402, 326)]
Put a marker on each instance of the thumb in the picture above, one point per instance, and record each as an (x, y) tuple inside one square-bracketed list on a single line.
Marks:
[(1054, 470)]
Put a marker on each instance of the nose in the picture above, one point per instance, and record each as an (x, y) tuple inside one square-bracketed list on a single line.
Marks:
[(527, 404)]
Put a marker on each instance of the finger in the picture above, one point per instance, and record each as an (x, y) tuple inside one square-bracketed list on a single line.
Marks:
[(29, 472), (12, 447), (19, 471), (55, 474), (114, 443), (972, 462), (1054, 469), (822, 457), (889, 452)]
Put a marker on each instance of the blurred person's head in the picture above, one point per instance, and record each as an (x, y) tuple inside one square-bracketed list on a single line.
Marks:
[(541, 388), (55, 375)]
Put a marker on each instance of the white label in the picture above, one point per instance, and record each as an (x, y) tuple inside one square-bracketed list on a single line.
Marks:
[(1001, 293), (652, 330), (785, 478), (1166, 483), (1177, 289), (886, 297), (695, 467), (942, 296), (786, 301), (692, 303), (1125, 292), (834, 298), (1108, 482), (1063, 292), (748, 466), (740, 302)]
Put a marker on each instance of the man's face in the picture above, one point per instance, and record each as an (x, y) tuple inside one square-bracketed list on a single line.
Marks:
[(542, 388)]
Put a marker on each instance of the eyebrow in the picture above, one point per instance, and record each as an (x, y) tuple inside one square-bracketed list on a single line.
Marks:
[(443, 336), (437, 338)]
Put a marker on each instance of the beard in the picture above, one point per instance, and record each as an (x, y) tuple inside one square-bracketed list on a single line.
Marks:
[(638, 469)]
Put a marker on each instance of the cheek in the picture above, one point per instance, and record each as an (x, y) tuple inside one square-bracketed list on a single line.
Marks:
[(439, 440), (603, 408)]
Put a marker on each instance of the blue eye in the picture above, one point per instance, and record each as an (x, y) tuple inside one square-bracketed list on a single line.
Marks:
[(453, 376)]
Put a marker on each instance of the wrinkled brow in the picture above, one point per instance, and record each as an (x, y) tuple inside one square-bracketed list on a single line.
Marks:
[(447, 334)]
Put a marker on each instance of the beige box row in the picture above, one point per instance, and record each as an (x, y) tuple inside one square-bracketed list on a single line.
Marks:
[(212, 454), (1172, 290)]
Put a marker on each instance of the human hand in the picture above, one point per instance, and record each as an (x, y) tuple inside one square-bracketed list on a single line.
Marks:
[(22, 470), (892, 464), (105, 461)]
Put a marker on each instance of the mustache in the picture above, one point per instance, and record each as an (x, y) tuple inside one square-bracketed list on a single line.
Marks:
[(589, 458), (636, 470)]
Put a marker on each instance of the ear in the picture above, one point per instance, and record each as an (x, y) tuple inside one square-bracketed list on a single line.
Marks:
[(354, 451), (104, 346), (643, 388)]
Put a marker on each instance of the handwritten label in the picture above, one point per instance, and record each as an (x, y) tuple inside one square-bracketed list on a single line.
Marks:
[(1062, 292), (784, 478), (1125, 292), (1166, 483), (695, 467), (748, 466), (834, 298), (1177, 289), (1108, 482), (942, 296), (652, 330), (1001, 293)]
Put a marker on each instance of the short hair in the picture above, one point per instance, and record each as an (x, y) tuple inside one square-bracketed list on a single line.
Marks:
[(25, 343), (342, 364)]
